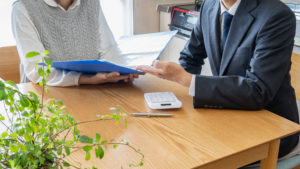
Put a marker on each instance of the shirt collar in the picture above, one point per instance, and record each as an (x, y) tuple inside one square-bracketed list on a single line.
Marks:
[(233, 8), (53, 3)]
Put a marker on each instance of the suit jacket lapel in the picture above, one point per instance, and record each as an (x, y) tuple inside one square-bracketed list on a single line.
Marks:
[(213, 21), (239, 27)]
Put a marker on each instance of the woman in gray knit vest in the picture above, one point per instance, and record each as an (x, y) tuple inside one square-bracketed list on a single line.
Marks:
[(71, 30)]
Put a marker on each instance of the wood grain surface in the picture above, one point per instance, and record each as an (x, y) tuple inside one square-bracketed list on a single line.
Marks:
[(10, 64)]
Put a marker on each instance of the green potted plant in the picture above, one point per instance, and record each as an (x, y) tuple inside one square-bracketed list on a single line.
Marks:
[(42, 136)]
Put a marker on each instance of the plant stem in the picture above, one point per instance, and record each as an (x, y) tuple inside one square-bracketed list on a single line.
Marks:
[(117, 143), (18, 111), (55, 135), (6, 126), (60, 159), (10, 120)]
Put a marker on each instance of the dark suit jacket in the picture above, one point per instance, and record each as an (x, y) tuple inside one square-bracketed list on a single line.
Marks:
[(253, 71)]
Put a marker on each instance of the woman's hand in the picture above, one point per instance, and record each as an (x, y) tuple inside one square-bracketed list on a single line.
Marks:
[(170, 71), (106, 78)]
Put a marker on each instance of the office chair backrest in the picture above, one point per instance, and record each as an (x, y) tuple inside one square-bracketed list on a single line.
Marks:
[(10, 64)]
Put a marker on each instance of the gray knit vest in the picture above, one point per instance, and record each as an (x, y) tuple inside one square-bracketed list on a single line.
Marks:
[(68, 35)]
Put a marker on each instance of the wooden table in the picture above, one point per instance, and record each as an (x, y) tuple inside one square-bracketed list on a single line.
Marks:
[(295, 74), (194, 138)]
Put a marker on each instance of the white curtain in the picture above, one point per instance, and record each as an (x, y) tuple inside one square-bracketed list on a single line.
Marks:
[(119, 15), (6, 36)]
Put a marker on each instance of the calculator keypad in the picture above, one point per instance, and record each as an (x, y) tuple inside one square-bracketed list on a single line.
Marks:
[(161, 97)]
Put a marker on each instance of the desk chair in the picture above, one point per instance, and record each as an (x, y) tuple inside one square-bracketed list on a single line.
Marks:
[(10, 64)]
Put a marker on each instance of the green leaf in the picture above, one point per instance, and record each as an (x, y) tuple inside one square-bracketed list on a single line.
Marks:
[(25, 114), (36, 64), (59, 151), (115, 145), (0, 157), (2, 118), (24, 101), (45, 140), (14, 135), (60, 102), (87, 148), (87, 156), (27, 137), (48, 61), (46, 52), (13, 84), (32, 54), (66, 164), (14, 148), (67, 150), (47, 90), (16, 126), (3, 95), (4, 134), (98, 137), (103, 142), (114, 109), (141, 163), (100, 152), (2, 85), (85, 139), (41, 71)]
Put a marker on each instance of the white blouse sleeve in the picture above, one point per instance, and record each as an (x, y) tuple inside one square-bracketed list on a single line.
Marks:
[(27, 39)]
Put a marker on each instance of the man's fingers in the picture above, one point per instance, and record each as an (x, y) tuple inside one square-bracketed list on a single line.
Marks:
[(159, 64), (151, 70)]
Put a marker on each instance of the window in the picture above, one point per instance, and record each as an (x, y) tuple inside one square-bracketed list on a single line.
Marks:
[(6, 36), (118, 14)]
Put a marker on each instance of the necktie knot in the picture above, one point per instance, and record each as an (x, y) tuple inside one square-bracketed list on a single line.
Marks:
[(227, 18)]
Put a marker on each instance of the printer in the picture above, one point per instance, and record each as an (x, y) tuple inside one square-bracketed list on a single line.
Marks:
[(184, 17)]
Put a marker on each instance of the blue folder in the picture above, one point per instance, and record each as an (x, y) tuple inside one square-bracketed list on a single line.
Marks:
[(93, 66), (134, 50)]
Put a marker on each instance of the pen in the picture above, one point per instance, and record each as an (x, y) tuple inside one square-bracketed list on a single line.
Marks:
[(151, 114)]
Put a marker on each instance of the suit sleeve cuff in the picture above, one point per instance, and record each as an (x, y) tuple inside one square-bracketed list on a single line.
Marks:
[(192, 86)]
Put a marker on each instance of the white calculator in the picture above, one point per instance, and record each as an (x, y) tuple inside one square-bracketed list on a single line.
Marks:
[(162, 100)]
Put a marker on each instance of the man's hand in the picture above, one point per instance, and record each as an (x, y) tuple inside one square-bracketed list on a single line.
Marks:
[(170, 71), (106, 78)]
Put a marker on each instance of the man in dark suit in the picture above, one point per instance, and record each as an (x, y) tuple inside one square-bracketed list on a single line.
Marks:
[(249, 45)]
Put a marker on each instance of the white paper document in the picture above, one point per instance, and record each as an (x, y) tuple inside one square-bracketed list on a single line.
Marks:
[(136, 50)]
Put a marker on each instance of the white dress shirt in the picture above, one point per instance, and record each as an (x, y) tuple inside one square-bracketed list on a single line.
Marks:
[(28, 39)]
